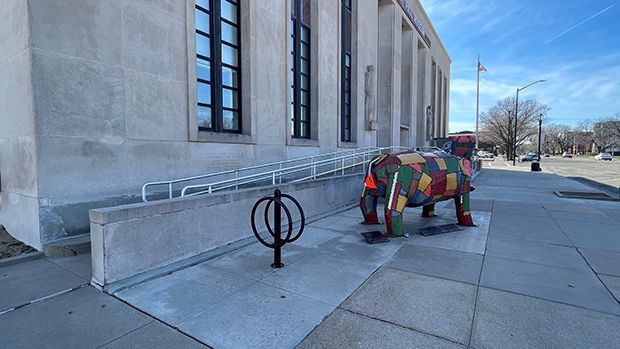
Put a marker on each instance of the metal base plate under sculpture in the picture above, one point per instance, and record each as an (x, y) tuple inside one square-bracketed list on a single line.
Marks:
[(439, 229), (374, 237)]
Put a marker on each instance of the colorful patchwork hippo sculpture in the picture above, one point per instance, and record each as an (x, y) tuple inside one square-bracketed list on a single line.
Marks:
[(413, 179)]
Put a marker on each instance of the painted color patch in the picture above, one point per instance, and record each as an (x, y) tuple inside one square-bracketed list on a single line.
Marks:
[(441, 163), (411, 158), (425, 181), (451, 181), (402, 202)]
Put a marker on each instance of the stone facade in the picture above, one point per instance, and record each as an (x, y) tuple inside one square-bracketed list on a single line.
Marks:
[(98, 97)]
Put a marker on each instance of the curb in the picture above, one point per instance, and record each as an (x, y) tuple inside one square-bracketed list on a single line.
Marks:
[(73, 246), (5, 262), (613, 191)]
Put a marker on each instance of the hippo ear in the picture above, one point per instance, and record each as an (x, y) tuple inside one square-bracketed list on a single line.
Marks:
[(465, 166)]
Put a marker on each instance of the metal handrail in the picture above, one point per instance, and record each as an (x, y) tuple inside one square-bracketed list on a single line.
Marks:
[(170, 183), (272, 174), (276, 173)]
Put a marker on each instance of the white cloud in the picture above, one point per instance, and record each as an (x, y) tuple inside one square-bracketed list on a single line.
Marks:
[(458, 126)]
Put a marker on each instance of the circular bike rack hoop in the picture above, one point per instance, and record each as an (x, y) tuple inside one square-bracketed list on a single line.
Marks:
[(276, 230)]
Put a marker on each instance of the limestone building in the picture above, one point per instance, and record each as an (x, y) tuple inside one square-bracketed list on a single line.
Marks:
[(98, 97)]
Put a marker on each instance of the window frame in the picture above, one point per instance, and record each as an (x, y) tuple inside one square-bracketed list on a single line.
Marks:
[(346, 71), (217, 87), (297, 24)]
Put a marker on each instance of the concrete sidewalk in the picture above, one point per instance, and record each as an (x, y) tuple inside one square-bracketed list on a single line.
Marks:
[(538, 271), (48, 303)]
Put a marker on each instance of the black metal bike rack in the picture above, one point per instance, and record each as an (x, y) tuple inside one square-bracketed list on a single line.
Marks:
[(276, 232)]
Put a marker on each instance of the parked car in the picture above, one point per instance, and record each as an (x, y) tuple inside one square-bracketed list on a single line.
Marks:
[(485, 155), (567, 155), (547, 155), (530, 157), (603, 156)]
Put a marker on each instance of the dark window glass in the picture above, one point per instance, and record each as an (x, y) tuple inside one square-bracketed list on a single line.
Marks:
[(229, 99), (203, 69), (229, 33), (300, 68), (229, 77), (204, 93), (203, 23), (218, 88), (231, 120), (204, 117), (229, 55), (203, 3), (229, 11), (203, 45), (305, 11), (345, 78)]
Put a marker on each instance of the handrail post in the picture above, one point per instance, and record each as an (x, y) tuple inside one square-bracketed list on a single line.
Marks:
[(280, 174), (236, 181), (170, 190), (209, 189), (364, 163), (273, 178), (342, 166)]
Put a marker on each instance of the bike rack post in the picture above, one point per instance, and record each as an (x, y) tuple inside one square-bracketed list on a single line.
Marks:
[(277, 239), (276, 232)]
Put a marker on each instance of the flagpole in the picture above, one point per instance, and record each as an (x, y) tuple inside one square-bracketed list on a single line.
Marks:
[(477, 98)]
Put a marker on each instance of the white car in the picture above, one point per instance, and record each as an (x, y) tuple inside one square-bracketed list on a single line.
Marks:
[(603, 156), (485, 155)]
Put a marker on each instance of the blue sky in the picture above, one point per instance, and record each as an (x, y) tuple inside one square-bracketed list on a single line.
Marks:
[(575, 45)]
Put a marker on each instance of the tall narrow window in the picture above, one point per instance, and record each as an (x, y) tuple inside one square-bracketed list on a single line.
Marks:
[(345, 83), (218, 89), (300, 68)]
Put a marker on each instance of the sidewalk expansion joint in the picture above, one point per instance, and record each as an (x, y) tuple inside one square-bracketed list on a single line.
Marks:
[(401, 326), (158, 320), (486, 244), (42, 299), (597, 276)]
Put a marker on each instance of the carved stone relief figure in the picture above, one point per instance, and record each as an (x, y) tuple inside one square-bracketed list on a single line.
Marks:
[(430, 124), (370, 108)]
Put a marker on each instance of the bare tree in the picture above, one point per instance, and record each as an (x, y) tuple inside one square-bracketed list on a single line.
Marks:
[(557, 138), (497, 123), (603, 133)]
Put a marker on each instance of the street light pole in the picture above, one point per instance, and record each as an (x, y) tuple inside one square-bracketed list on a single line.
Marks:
[(514, 149), (539, 134), (509, 149), (514, 140)]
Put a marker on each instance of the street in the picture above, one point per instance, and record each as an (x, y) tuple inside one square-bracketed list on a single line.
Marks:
[(605, 172)]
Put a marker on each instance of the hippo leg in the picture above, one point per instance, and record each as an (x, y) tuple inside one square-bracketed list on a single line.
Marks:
[(428, 211), (394, 207), (463, 213), (368, 205)]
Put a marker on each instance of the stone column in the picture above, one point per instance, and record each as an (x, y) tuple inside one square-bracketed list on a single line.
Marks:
[(407, 121), (389, 74)]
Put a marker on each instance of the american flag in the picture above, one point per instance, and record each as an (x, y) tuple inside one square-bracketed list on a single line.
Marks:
[(481, 67)]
